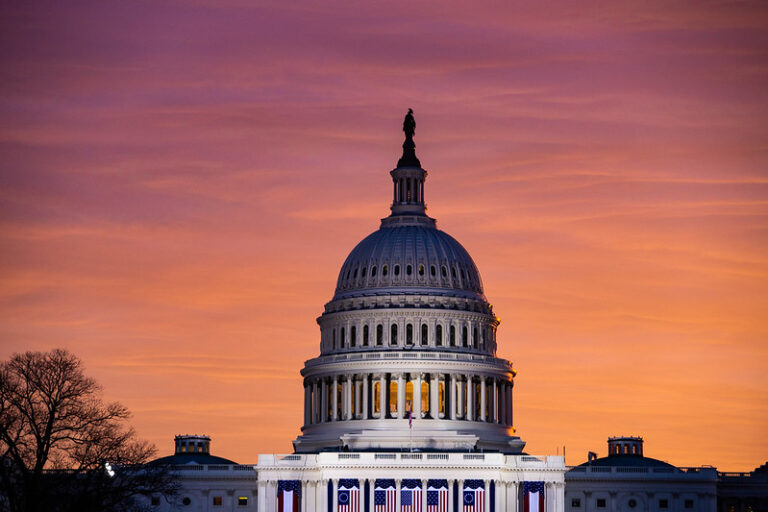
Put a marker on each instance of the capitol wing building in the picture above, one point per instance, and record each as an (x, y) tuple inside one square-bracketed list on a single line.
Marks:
[(407, 406)]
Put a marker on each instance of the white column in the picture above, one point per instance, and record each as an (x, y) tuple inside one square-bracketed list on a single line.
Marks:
[(452, 396), (460, 398), (483, 391), (433, 386), (417, 396), (495, 403), (400, 395), (365, 396), (560, 496), (424, 495), (487, 494), (358, 398), (261, 497), (303, 496), (371, 485), (350, 383), (451, 483), (321, 496), (361, 495), (271, 495), (501, 496), (383, 396), (335, 398), (398, 497), (470, 398), (512, 496), (335, 494), (324, 401)]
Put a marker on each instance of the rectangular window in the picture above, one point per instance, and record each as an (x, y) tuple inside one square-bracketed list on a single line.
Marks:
[(601, 503), (217, 501), (242, 501), (689, 504), (575, 503), (663, 504)]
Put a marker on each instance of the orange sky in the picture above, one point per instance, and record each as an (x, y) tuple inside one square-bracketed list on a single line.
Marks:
[(180, 183)]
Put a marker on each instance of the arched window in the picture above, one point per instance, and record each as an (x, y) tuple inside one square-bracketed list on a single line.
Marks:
[(444, 271), (432, 271), (354, 273), (464, 336), (453, 272), (424, 397), (439, 335), (376, 395), (424, 333), (408, 269), (409, 334), (363, 271), (393, 335), (373, 271), (379, 335), (421, 270), (384, 271), (365, 335), (343, 339), (441, 398), (474, 337), (353, 336), (453, 336), (333, 340), (396, 270)]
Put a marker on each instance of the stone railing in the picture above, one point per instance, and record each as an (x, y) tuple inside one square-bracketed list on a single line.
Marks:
[(411, 458), (659, 472), (426, 355), (217, 468)]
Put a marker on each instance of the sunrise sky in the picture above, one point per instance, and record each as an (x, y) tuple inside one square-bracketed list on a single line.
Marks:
[(181, 182)]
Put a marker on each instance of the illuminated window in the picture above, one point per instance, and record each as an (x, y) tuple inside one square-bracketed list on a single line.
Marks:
[(421, 270), (365, 335), (393, 335), (409, 396), (376, 397), (409, 334), (200, 448), (441, 397), (424, 397), (393, 396), (217, 501), (439, 335), (353, 336), (424, 334), (379, 334), (242, 501)]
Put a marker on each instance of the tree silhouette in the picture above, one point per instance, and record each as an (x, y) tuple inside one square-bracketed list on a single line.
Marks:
[(62, 447)]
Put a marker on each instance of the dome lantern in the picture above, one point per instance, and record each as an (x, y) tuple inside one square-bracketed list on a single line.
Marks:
[(408, 177)]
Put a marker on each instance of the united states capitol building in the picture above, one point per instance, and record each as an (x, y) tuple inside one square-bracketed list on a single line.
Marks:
[(408, 408)]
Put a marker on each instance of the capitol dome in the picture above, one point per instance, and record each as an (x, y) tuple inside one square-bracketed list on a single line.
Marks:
[(408, 341)]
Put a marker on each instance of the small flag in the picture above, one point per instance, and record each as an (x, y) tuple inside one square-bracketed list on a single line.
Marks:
[(384, 499), (474, 499), (410, 500), (348, 499), (288, 495)]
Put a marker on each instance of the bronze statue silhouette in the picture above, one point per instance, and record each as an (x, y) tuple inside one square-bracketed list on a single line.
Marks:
[(409, 124), (409, 148)]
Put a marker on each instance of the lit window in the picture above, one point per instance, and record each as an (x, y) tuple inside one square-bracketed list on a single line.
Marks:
[(424, 397), (242, 501), (217, 501), (393, 396), (421, 270), (376, 395)]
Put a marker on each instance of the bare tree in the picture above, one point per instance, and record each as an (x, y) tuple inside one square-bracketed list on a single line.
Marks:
[(62, 447)]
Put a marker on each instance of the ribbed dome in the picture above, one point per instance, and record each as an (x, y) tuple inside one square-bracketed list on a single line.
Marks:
[(409, 256)]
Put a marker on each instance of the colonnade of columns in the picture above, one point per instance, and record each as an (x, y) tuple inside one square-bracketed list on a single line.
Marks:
[(314, 495), (393, 395), (409, 190)]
